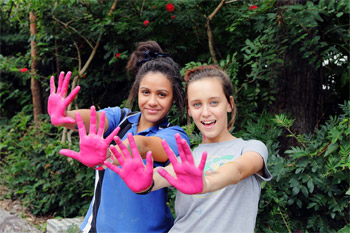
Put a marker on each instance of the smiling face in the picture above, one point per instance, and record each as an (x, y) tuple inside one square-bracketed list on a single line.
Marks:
[(208, 106), (155, 96)]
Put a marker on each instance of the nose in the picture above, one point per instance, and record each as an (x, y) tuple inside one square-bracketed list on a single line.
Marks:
[(206, 111), (152, 100)]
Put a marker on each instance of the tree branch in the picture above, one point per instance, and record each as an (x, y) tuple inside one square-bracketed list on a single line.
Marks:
[(210, 33), (113, 7), (84, 68), (75, 30), (221, 4)]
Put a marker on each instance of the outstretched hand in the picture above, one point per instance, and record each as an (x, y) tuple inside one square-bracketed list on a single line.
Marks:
[(189, 178), (93, 148), (134, 173), (58, 103)]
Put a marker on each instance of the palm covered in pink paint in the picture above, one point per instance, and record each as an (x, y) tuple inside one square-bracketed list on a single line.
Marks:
[(58, 103), (134, 173), (189, 178), (93, 148)]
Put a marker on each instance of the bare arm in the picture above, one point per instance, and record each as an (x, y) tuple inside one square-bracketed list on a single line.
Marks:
[(59, 101), (160, 181), (85, 116), (233, 172), (151, 143)]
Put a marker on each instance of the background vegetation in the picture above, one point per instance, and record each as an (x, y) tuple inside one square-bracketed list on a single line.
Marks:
[(288, 61)]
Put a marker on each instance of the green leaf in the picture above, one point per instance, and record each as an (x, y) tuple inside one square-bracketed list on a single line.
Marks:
[(339, 14), (331, 148), (310, 186)]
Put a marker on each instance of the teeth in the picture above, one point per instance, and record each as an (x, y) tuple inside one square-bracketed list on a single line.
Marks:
[(208, 122)]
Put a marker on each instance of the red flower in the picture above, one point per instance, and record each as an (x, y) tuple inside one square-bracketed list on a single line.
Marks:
[(83, 76), (117, 55), (173, 16), (154, 7), (146, 22), (252, 7), (170, 7), (23, 70)]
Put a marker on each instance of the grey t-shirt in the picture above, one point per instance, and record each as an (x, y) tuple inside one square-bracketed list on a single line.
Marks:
[(231, 209)]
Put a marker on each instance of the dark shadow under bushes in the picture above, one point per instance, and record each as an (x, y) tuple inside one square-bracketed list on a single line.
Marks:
[(34, 172)]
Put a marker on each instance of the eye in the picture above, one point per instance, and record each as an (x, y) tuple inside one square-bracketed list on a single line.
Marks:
[(214, 103), (162, 94), (145, 92), (197, 105)]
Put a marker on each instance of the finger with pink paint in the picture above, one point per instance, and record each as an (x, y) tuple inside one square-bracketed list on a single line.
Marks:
[(58, 102), (93, 148), (135, 174), (189, 178)]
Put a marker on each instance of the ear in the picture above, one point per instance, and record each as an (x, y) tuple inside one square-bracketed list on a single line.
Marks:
[(231, 104)]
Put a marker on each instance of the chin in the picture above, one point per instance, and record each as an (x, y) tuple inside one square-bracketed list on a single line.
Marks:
[(154, 119)]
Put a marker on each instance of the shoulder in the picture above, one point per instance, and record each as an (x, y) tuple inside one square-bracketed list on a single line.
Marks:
[(169, 133), (254, 142), (115, 112), (256, 146), (114, 115), (172, 130)]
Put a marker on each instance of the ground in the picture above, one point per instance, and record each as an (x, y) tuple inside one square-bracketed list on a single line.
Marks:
[(15, 207)]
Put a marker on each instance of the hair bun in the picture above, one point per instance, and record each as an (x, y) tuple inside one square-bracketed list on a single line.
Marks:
[(150, 56)]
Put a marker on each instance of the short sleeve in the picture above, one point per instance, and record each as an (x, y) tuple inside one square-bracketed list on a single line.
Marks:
[(261, 149), (113, 115), (169, 135)]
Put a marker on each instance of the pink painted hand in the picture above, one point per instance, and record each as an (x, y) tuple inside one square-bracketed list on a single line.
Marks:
[(93, 148), (58, 103), (189, 178), (134, 173)]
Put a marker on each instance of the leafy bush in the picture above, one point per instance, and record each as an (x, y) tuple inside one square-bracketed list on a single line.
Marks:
[(34, 172), (310, 188)]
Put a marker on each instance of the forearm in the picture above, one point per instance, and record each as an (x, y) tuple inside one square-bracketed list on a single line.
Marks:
[(151, 143), (225, 175), (85, 116), (233, 172), (159, 181)]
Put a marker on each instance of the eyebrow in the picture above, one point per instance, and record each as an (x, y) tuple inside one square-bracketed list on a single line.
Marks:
[(210, 98), (163, 90)]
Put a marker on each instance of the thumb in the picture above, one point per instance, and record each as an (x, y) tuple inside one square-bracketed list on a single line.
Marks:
[(167, 176), (114, 168)]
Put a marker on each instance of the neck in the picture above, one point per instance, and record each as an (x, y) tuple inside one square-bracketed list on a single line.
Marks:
[(143, 124)]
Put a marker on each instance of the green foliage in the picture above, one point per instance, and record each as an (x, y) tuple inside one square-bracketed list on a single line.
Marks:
[(250, 46), (32, 169), (14, 94), (314, 178)]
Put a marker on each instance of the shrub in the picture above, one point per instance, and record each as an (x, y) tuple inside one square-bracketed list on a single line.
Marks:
[(34, 172), (310, 188)]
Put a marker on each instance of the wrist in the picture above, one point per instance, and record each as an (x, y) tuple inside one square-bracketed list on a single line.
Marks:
[(147, 191)]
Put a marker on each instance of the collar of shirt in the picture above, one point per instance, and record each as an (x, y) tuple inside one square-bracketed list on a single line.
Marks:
[(134, 120)]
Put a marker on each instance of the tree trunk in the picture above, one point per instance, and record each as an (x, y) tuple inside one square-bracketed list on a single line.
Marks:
[(34, 84), (299, 91)]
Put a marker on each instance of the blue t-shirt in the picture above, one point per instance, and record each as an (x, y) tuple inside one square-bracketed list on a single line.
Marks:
[(120, 209)]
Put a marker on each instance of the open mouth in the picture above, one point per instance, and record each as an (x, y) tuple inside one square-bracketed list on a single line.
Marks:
[(208, 123)]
